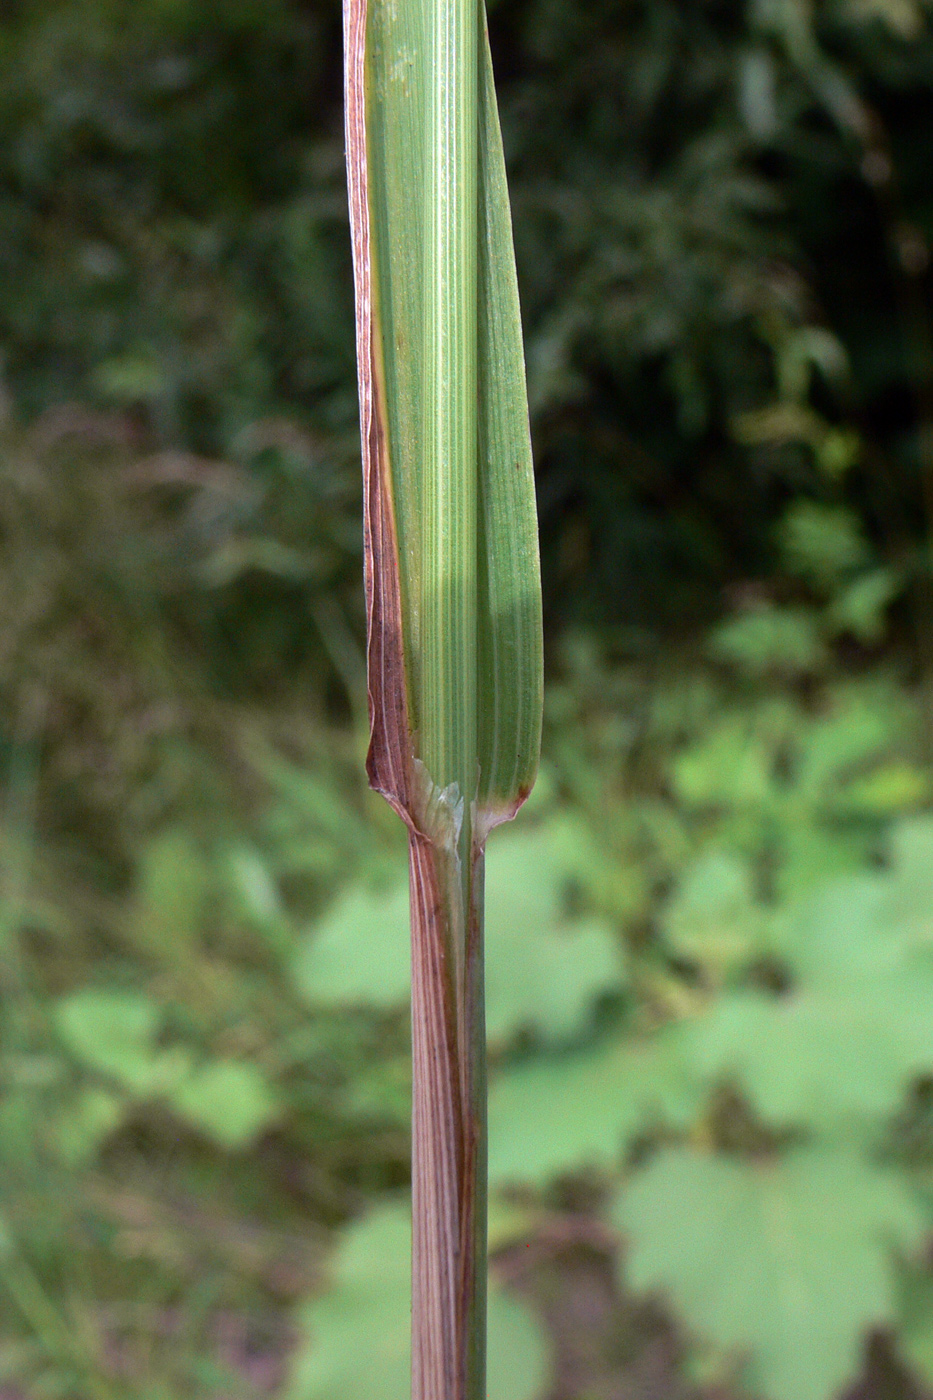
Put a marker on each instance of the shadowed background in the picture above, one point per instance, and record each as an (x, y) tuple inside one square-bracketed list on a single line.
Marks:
[(711, 935)]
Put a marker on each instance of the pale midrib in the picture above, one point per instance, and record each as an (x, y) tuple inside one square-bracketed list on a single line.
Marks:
[(448, 670)]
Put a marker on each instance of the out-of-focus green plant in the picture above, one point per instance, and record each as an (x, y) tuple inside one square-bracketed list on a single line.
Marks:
[(687, 1011), (722, 232), (776, 1234)]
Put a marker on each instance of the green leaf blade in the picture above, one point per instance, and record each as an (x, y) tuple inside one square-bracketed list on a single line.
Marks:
[(453, 413), (511, 664), (562, 1113)]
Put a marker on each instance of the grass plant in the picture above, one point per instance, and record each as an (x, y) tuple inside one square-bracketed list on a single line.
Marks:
[(452, 582)]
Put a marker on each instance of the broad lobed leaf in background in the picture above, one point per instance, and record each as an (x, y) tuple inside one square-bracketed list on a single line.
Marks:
[(560, 1113), (713, 918), (843, 1044), (830, 1061), (874, 924), (832, 1055), (782, 1263), (116, 1035), (808, 1239), (809, 791)]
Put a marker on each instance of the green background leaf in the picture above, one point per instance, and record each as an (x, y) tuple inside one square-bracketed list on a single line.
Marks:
[(561, 1112), (229, 1100), (808, 1240)]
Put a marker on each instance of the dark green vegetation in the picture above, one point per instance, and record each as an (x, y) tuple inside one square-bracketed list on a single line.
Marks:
[(711, 981)]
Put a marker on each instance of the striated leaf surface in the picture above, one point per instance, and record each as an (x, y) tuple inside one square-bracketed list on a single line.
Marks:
[(499, 655)]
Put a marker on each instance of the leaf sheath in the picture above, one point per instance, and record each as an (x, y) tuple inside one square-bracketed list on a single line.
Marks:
[(448, 1134)]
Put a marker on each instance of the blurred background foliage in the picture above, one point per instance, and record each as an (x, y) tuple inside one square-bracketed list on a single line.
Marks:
[(711, 935)]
